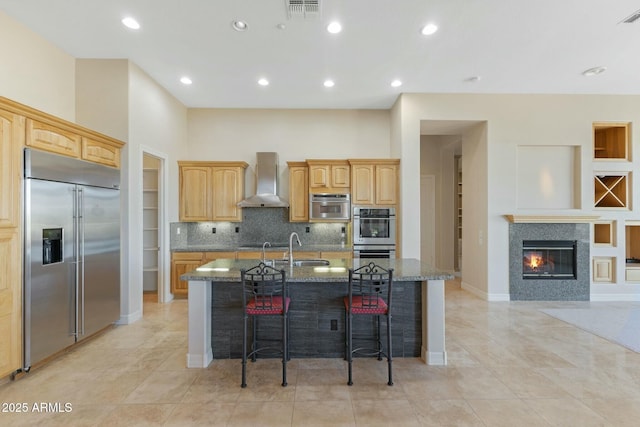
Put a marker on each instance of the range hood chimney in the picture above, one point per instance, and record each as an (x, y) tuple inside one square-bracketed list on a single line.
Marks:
[(266, 184)]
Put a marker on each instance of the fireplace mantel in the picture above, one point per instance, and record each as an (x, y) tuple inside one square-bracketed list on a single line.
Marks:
[(550, 219)]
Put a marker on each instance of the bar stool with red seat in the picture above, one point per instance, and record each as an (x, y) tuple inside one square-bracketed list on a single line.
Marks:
[(369, 295), (264, 295)]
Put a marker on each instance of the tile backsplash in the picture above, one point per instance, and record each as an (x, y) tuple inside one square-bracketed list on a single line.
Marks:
[(258, 225)]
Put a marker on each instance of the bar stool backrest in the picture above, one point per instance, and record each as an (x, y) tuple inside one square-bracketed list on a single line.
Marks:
[(264, 289), (372, 283)]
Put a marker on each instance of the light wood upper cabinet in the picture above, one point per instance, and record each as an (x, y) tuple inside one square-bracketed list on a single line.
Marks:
[(53, 139), (228, 191), (386, 184), (329, 176), (374, 182), (12, 128), (210, 191), (100, 152), (298, 192)]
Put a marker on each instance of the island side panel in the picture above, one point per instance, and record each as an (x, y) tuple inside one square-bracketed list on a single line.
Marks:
[(433, 331), (313, 308), (199, 353)]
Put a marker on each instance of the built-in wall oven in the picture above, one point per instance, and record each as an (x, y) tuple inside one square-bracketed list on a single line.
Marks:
[(335, 207), (374, 232)]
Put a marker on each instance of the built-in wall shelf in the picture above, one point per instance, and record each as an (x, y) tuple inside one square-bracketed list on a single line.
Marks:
[(611, 141), (603, 233), (150, 225), (611, 190)]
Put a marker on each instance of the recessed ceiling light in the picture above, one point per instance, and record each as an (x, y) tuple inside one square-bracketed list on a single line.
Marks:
[(185, 80), (594, 71), (130, 22), (334, 27), (263, 82), (329, 83), (429, 29), (396, 83), (239, 25)]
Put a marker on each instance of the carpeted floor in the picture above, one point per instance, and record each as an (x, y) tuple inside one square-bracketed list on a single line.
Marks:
[(618, 325)]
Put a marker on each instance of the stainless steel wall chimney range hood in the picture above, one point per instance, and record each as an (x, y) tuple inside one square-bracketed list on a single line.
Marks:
[(266, 184)]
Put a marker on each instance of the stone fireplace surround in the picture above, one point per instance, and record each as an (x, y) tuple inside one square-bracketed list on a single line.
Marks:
[(521, 289)]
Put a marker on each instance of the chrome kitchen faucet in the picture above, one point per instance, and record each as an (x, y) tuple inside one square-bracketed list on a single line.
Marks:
[(291, 247)]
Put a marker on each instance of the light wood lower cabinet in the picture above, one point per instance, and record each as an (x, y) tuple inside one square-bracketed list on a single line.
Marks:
[(10, 302), (184, 262), (336, 255)]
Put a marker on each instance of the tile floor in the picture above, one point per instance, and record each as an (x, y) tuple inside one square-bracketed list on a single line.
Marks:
[(509, 365)]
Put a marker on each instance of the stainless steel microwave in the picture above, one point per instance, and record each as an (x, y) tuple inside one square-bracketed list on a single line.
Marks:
[(336, 207)]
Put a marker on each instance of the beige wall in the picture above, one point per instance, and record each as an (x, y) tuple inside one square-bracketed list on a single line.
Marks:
[(513, 121), (34, 72), (237, 134), (118, 98)]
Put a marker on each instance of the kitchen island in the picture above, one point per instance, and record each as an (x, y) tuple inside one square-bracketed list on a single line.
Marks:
[(317, 312)]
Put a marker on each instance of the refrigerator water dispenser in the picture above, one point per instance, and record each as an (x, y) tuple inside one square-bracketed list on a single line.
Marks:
[(51, 245)]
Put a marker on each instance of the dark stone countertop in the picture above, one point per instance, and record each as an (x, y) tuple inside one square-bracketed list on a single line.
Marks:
[(405, 270)]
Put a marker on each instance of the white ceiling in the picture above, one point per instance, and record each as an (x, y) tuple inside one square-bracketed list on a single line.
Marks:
[(515, 46)]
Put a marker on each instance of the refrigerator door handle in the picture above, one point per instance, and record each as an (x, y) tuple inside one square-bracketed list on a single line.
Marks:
[(81, 252)]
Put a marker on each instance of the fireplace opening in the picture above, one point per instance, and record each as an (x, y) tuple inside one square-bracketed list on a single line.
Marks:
[(549, 259)]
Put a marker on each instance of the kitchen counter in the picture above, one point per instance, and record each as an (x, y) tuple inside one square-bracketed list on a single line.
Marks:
[(214, 302)]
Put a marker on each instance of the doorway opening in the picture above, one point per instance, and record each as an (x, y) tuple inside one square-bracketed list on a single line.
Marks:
[(155, 283)]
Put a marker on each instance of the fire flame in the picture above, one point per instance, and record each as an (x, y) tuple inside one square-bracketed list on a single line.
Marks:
[(536, 261)]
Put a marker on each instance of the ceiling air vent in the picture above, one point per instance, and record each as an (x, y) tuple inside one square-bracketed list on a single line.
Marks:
[(303, 8), (631, 18)]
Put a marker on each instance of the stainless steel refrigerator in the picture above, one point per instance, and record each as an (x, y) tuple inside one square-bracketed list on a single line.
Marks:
[(72, 252)]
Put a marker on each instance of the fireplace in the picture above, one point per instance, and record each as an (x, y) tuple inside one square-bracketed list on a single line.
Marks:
[(549, 259)]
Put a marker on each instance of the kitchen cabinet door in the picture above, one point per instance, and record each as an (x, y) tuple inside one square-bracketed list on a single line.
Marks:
[(211, 191), (10, 302), (11, 142), (298, 192), (228, 191), (195, 193), (386, 184), (100, 152), (374, 182), (329, 176), (363, 185), (53, 139), (181, 263)]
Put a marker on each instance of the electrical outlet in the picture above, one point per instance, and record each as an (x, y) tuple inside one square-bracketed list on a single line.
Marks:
[(334, 324), (213, 230), (177, 230), (237, 229), (307, 229)]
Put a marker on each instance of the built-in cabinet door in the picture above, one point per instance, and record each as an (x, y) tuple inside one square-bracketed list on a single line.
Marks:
[(195, 193), (100, 152), (10, 302), (181, 263), (53, 139), (12, 134), (386, 184), (329, 176), (228, 188), (11, 143), (319, 177), (363, 182), (298, 193), (341, 176)]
